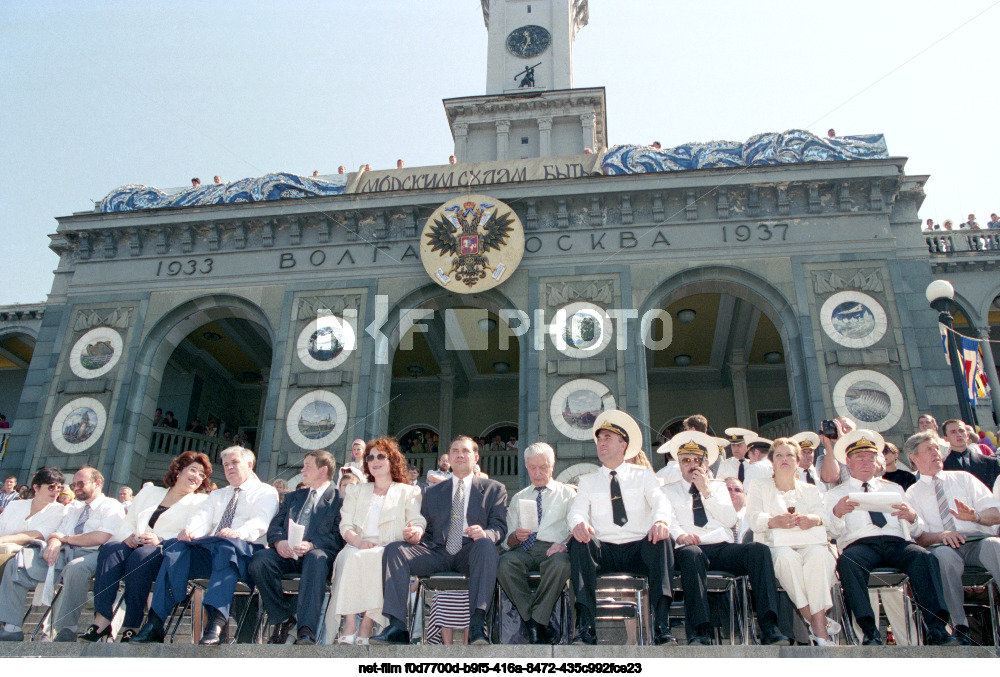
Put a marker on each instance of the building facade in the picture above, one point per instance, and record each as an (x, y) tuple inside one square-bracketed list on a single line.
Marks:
[(767, 284)]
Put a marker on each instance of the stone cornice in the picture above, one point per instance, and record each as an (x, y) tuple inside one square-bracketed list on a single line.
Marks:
[(704, 196)]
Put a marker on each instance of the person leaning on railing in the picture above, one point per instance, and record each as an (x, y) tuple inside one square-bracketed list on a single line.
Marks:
[(155, 518)]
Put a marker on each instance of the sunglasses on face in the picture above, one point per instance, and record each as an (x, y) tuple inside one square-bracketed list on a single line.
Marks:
[(375, 457)]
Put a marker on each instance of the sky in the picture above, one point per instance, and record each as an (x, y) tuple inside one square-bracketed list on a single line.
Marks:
[(96, 95)]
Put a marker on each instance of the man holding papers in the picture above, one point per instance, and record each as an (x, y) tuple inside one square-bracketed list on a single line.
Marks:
[(703, 530), (621, 524), (874, 531), (304, 536), (960, 516), (536, 522)]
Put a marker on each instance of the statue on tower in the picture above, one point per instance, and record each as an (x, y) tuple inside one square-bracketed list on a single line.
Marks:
[(529, 76)]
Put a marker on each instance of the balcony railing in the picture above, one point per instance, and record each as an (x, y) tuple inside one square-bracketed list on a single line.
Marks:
[(947, 242), (170, 442), (502, 466)]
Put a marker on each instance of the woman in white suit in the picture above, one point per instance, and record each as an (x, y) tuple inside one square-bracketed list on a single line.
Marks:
[(133, 555), (786, 514), (380, 511)]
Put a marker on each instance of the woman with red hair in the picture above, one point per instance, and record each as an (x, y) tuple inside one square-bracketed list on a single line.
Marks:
[(134, 553), (380, 511)]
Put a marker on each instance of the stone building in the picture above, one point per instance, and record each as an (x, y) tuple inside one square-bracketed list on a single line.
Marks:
[(768, 284)]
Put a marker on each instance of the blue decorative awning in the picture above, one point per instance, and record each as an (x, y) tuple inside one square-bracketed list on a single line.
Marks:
[(278, 186), (791, 147)]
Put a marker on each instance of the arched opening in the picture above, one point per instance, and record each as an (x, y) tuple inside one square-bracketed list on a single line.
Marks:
[(729, 358), (209, 364), (16, 349), (455, 368)]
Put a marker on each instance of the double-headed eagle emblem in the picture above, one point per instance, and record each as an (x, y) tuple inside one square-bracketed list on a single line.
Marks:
[(468, 232)]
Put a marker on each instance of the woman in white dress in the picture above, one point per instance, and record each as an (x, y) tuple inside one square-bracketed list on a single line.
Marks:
[(804, 568), (24, 521), (378, 512)]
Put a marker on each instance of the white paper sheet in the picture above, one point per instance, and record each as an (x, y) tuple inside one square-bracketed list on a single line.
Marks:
[(295, 534), (710, 537), (527, 512), (876, 501), (793, 538)]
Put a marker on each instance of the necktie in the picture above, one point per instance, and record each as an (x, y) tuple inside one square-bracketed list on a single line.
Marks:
[(736, 532), (809, 476), (530, 540), (617, 502), (305, 514), (740, 474), (227, 517), (698, 508), (878, 519), (80, 523), (454, 543), (942, 501)]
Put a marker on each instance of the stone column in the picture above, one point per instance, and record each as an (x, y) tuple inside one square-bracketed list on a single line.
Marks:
[(503, 135), (990, 365), (461, 130), (589, 122), (545, 136), (741, 400), (446, 405)]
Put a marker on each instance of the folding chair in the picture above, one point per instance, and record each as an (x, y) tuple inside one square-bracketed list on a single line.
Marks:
[(629, 600), (508, 627), (973, 579), (290, 586), (894, 580), (196, 592)]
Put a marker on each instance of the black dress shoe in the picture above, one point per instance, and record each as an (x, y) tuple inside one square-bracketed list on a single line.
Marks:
[(95, 635), (662, 636), (279, 635), (477, 635), (771, 636), (391, 635), (305, 637), (550, 635), (938, 637), (585, 635), (151, 632), (700, 640), (213, 630), (963, 635), (872, 638), (536, 632)]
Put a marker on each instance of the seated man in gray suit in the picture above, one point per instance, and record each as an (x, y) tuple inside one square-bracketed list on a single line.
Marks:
[(317, 508), (466, 519), (542, 549)]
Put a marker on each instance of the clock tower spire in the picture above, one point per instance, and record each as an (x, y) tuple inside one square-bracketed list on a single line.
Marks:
[(531, 43), (530, 109)]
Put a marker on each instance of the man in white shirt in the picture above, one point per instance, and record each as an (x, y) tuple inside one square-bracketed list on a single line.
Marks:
[(808, 443), (89, 522), (870, 539), (703, 529), (749, 459), (218, 544), (442, 473), (620, 522), (125, 497), (960, 517), (739, 499), (542, 550)]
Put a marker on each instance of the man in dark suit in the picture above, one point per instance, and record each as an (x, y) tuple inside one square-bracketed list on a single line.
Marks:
[(961, 457), (317, 507), (466, 519)]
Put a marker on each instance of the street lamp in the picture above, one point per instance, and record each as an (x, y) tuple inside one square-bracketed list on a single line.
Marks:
[(940, 294)]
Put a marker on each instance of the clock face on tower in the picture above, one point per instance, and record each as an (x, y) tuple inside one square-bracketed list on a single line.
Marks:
[(528, 41)]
